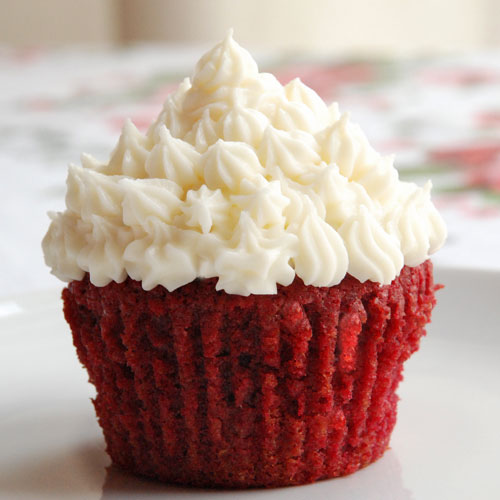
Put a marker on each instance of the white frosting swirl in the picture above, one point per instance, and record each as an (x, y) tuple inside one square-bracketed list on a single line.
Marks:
[(374, 254), (226, 64), (322, 258), (244, 125), (227, 164), (417, 225), (246, 180), (174, 159)]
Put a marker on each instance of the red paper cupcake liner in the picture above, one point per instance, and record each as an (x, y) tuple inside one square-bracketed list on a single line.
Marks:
[(205, 388)]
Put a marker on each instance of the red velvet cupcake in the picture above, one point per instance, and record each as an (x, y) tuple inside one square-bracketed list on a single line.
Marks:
[(205, 388), (246, 281)]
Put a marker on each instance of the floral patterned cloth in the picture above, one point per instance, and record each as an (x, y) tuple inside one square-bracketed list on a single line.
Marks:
[(440, 116)]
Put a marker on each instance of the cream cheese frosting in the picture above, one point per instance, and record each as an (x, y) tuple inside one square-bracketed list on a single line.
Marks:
[(243, 179)]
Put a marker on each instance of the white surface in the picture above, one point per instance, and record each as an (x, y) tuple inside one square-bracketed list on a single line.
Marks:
[(446, 442)]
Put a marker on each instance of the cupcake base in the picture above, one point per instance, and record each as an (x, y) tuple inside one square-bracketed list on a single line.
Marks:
[(204, 388)]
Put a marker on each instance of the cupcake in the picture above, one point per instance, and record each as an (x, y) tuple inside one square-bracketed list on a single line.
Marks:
[(245, 282)]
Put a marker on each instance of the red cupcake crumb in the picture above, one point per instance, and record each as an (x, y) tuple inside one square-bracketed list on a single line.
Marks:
[(205, 388)]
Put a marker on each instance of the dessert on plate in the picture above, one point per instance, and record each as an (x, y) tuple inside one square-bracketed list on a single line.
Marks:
[(245, 281)]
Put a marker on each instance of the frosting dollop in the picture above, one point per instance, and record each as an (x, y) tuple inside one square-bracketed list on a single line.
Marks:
[(246, 180)]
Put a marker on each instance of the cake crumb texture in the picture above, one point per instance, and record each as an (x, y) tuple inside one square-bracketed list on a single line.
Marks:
[(200, 387)]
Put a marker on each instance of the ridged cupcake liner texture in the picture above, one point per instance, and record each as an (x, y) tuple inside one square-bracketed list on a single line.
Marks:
[(200, 387)]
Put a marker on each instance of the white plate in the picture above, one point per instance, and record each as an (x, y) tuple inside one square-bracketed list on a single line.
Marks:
[(446, 442)]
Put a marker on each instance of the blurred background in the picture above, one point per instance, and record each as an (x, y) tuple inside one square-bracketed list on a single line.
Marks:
[(421, 78), (325, 26)]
